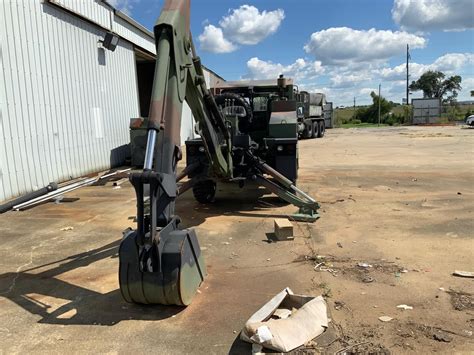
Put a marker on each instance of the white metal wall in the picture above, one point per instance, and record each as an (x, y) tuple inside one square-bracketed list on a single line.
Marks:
[(105, 16), (94, 10), (65, 104), (134, 35)]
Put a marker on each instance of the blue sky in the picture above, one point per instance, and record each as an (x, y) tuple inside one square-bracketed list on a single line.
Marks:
[(344, 48)]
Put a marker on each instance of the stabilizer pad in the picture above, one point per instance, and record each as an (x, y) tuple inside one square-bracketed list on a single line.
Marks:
[(182, 270), (305, 215)]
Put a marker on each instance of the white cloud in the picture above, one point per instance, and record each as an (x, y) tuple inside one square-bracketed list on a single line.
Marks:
[(367, 91), (425, 15), (345, 83), (247, 25), (299, 70), (450, 64), (399, 72), (212, 40), (346, 80), (125, 6), (467, 85), (342, 45), (393, 79), (453, 61)]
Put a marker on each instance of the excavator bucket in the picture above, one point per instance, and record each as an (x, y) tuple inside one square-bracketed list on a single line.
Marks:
[(175, 282)]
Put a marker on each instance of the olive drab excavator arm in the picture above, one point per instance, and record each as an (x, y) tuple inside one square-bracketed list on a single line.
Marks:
[(160, 263)]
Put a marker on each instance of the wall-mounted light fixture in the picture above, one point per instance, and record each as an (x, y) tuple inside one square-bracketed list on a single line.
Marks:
[(110, 41)]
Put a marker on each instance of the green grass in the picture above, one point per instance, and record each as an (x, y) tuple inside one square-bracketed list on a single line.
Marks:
[(343, 114), (362, 125), (450, 114)]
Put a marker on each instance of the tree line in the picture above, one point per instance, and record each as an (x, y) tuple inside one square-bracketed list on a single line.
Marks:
[(434, 84)]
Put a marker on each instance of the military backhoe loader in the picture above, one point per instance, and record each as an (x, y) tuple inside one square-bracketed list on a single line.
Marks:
[(159, 262)]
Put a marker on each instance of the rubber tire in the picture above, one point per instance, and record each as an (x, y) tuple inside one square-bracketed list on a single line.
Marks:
[(244, 122), (307, 134), (315, 129), (205, 191), (322, 129)]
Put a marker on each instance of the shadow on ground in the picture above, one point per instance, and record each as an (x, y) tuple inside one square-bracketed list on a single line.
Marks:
[(250, 201), (42, 291), (82, 306)]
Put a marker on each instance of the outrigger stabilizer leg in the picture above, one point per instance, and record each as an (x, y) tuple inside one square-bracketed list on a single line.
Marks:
[(284, 188)]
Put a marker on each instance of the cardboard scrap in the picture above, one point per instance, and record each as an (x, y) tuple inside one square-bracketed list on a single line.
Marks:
[(257, 349), (308, 319), (282, 313)]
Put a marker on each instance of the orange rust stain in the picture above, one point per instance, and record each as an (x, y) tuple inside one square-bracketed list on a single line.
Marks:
[(169, 116), (184, 8)]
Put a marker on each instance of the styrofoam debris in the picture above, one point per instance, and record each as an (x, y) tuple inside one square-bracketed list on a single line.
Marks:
[(262, 335), (404, 307), (460, 273)]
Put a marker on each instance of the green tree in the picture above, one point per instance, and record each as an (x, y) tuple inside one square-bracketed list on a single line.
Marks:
[(472, 92), (433, 84), (371, 113)]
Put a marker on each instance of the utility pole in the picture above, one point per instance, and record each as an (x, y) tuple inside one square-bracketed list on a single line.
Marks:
[(354, 114), (408, 88), (408, 74), (380, 85)]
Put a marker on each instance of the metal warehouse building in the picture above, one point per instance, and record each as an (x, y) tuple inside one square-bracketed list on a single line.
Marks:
[(65, 101)]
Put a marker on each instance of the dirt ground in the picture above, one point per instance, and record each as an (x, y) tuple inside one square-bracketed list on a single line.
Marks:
[(398, 199)]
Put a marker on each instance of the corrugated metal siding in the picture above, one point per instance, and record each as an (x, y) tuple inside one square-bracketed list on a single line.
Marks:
[(65, 104), (90, 9), (104, 16), (134, 35)]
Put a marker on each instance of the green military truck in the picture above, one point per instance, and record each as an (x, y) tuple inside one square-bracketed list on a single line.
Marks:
[(313, 125), (266, 117), (262, 117), (315, 113)]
